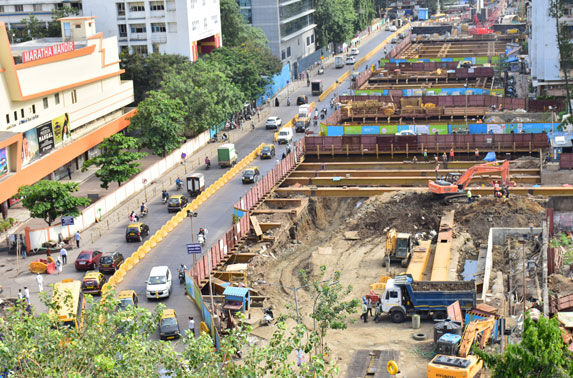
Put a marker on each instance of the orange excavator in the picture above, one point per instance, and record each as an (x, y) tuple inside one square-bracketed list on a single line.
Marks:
[(454, 185)]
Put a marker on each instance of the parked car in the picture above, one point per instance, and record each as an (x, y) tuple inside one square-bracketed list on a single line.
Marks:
[(354, 51), (301, 100), (251, 175), (176, 203), (127, 298), (168, 325), (88, 260), (350, 60), (93, 282), (158, 283), (273, 123), (136, 232), (110, 262), (268, 151)]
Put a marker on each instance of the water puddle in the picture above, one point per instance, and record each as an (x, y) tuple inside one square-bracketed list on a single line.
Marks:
[(470, 270)]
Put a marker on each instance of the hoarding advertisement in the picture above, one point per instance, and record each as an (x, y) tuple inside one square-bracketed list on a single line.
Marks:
[(45, 138), (29, 146), (61, 128), (3, 162)]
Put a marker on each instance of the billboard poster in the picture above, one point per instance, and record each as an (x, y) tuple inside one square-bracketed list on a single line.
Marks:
[(29, 146), (45, 138), (495, 128), (3, 162), (61, 128)]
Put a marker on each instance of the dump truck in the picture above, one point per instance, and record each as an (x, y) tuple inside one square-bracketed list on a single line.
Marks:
[(226, 155), (404, 297), (398, 248)]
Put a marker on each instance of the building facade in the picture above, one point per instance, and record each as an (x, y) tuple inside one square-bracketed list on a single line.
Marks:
[(185, 27), (59, 98), (13, 11), (288, 24)]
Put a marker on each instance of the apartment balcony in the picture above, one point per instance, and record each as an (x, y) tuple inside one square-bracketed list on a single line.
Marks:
[(136, 15), (159, 38), (157, 14), (138, 37)]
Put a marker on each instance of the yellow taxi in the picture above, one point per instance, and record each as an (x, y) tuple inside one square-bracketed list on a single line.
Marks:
[(136, 231), (176, 202), (127, 298), (168, 325), (93, 282), (251, 175), (268, 151)]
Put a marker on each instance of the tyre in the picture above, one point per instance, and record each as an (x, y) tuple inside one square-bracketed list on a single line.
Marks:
[(397, 316), (439, 315)]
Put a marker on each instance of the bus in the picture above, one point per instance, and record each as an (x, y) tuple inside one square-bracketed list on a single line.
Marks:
[(69, 302)]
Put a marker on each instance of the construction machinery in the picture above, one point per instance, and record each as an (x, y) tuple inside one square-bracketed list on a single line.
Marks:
[(454, 187), (398, 248), (478, 28), (453, 357)]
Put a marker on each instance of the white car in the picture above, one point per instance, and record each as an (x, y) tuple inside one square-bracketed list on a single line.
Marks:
[(285, 135), (350, 60), (158, 285), (406, 132), (273, 123), (354, 51)]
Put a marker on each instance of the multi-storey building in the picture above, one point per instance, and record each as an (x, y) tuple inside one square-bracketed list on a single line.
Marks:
[(59, 98), (185, 27), (13, 11), (288, 24)]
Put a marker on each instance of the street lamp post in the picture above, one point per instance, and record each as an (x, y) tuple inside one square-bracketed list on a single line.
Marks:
[(191, 215), (552, 109)]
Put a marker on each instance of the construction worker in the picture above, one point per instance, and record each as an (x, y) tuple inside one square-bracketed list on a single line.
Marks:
[(477, 154), (445, 160), (437, 169), (452, 154), (425, 155), (469, 194), (364, 310)]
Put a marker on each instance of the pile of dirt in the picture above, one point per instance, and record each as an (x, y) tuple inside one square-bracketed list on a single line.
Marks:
[(488, 212), (560, 285), (525, 162)]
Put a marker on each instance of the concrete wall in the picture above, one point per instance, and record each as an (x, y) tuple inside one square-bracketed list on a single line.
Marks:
[(556, 177), (543, 51)]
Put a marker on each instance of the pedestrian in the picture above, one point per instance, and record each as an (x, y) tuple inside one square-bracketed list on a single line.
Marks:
[(437, 170), (59, 265), (78, 238), (414, 160), (425, 155), (469, 194), (477, 154), (20, 295), (27, 294), (191, 326), (378, 311), (445, 160), (369, 306), (277, 102), (64, 255), (40, 281), (69, 172), (452, 154), (364, 310), (258, 115)]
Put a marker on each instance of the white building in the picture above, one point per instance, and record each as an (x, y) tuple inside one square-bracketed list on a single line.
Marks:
[(59, 98), (13, 11), (185, 27)]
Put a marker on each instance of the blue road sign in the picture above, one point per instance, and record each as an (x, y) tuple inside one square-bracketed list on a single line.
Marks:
[(193, 248), (68, 221)]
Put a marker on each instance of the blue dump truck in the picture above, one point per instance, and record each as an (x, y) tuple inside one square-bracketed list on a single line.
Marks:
[(404, 297)]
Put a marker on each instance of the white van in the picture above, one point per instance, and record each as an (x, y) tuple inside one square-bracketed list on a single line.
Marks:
[(285, 135), (158, 283), (304, 111), (339, 61)]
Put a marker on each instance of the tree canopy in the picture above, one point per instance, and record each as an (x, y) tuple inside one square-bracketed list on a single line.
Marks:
[(335, 20), (365, 13), (34, 29), (117, 161), (50, 200), (237, 31)]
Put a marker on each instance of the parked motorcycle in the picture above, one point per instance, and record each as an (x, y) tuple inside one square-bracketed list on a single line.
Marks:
[(213, 139)]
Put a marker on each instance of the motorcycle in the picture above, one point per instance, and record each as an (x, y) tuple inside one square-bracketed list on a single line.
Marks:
[(201, 240), (164, 200), (213, 139), (143, 213), (181, 277), (321, 71), (208, 165), (179, 185)]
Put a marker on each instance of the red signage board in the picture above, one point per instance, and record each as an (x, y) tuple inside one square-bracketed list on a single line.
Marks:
[(46, 52)]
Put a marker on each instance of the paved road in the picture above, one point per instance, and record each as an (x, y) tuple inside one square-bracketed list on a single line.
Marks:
[(215, 213)]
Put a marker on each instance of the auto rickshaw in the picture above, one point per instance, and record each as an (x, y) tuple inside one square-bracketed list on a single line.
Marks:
[(195, 184)]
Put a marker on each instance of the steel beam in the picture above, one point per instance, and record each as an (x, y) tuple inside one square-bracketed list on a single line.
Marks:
[(381, 165), (354, 191), (395, 172), (394, 181)]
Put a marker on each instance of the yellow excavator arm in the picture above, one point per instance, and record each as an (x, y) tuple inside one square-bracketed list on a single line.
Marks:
[(471, 332)]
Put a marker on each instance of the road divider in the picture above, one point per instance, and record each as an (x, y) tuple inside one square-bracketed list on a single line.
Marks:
[(170, 225)]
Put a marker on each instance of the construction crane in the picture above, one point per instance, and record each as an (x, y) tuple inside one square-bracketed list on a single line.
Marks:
[(478, 28), (453, 358), (455, 188)]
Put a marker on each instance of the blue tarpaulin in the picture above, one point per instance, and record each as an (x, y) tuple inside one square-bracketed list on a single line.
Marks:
[(490, 156)]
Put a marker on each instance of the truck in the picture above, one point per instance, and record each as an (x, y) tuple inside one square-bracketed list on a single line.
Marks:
[(339, 61), (398, 248), (316, 87), (404, 297), (226, 155)]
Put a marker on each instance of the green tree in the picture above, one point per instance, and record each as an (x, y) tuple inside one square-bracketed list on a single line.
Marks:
[(34, 29), (160, 121), (50, 200), (335, 20), (365, 12), (117, 161), (54, 27), (147, 72), (541, 353), (237, 31), (330, 310), (209, 96), (557, 11)]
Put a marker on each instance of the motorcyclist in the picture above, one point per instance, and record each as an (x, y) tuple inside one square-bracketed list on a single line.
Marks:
[(133, 217), (203, 233), (288, 101), (182, 268), (224, 137), (143, 208), (164, 195), (207, 162), (178, 182)]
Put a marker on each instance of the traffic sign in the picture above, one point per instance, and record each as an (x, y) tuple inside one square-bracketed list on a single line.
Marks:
[(67, 221), (194, 248)]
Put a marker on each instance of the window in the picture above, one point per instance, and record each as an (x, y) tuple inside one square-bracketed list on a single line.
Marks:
[(283, 55), (312, 38), (136, 7), (45, 101), (78, 26), (193, 3), (158, 28), (7, 118), (288, 51), (57, 98), (157, 6), (122, 30), (308, 41), (142, 49), (205, 23), (74, 97), (194, 25), (18, 8), (120, 9), (37, 7), (15, 115), (33, 109), (1, 8), (22, 112), (215, 19), (138, 28)]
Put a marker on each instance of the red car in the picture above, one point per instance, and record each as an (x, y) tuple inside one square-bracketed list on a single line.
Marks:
[(88, 260)]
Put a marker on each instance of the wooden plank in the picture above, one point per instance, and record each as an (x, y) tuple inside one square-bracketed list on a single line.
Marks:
[(256, 227)]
